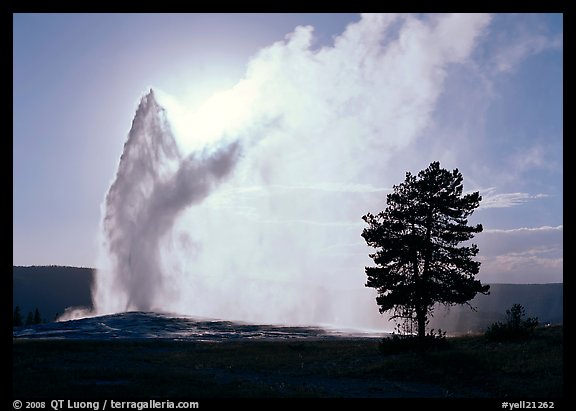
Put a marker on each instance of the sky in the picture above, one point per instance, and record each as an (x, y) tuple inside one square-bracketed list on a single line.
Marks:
[(355, 102)]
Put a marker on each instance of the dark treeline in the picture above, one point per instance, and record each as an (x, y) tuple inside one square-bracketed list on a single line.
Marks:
[(51, 289), (32, 318)]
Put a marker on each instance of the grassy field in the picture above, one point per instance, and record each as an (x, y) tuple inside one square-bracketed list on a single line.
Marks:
[(468, 367)]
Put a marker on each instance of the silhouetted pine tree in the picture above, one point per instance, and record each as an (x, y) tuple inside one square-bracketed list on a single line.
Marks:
[(30, 318), (418, 258), (37, 316)]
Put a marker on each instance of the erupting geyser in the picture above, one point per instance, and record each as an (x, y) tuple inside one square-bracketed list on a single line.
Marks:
[(153, 185), (255, 213)]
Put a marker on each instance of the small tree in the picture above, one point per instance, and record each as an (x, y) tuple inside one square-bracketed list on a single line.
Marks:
[(515, 327), (17, 317), (37, 316), (30, 318), (418, 260)]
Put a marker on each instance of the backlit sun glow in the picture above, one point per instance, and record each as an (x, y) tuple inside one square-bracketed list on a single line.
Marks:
[(223, 114)]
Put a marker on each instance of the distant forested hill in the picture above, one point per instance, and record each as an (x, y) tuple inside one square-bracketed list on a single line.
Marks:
[(50, 289), (544, 301), (53, 288)]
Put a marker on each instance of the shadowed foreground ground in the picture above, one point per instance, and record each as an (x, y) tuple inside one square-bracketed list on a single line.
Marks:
[(470, 367)]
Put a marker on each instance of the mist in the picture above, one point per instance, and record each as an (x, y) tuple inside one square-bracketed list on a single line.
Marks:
[(249, 207)]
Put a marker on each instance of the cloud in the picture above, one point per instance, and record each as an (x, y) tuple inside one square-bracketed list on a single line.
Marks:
[(504, 200), (522, 47), (529, 158), (536, 157), (335, 187), (518, 240), (531, 266), (545, 228), (329, 224), (323, 187), (523, 254)]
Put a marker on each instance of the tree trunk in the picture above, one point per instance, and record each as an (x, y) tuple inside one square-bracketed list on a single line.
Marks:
[(421, 318)]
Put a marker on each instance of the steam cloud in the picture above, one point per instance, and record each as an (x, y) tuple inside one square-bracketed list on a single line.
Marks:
[(257, 216)]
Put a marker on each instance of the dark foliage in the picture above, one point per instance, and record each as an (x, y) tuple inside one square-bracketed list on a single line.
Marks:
[(515, 327), (37, 317), (401, 343), (29, 318), (32, 318), (17, 317), (418, 260)]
